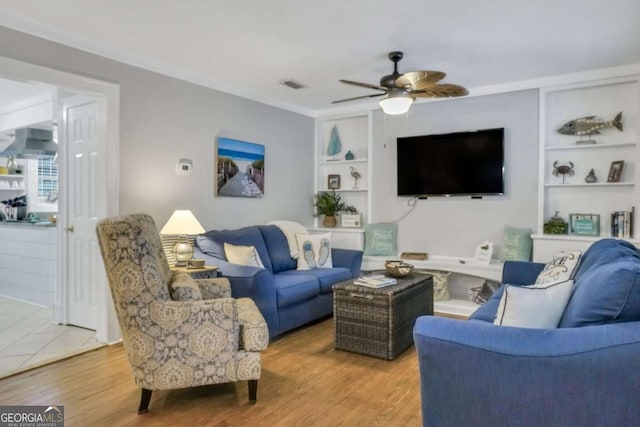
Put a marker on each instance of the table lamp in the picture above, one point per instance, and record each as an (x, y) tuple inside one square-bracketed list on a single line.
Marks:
[(182, 223)]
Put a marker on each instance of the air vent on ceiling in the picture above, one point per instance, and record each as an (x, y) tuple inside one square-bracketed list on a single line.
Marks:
[(292, 84)]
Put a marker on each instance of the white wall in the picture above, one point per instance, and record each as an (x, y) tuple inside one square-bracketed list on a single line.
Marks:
[(164, 119), (455, 226)]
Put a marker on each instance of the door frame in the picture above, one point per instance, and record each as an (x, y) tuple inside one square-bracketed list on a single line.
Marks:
[(108, 95)]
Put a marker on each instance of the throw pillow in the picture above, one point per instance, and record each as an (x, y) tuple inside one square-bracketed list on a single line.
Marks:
[(516, 244), (184, 288), (380, 239), (314, 250), (536, 306), (242, 255), (560, 268)]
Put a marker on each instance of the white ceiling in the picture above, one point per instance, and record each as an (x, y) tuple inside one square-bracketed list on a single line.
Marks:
[(12, 92), (246, 47)]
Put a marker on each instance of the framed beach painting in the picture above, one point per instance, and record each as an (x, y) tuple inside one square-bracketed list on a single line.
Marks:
[(240, 168)]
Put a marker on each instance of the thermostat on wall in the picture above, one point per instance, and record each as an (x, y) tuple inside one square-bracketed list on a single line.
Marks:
[(184, 167)]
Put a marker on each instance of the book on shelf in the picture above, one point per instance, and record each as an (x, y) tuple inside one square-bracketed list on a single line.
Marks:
[(375, 281), (622, 223)]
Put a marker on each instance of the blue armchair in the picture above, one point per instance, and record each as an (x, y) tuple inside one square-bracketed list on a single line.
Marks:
[(584, 373)]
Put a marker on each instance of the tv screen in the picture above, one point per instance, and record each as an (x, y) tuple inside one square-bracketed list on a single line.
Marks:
[(453, 164)]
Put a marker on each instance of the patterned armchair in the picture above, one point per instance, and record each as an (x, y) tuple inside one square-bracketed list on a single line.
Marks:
[(205, 338)]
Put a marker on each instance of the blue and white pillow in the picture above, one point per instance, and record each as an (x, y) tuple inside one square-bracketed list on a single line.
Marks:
[(314, 251), (538, 306)]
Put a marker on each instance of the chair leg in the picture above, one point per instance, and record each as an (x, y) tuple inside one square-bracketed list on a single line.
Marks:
[(253, 391), (145, 398)]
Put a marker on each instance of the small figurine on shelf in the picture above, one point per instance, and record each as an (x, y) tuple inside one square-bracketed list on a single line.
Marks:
[(356, 176), (349, 155), (591, 177)]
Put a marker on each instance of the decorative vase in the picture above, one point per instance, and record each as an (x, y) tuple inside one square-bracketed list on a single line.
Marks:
[(591, 177), (329, 221), (349, 156)]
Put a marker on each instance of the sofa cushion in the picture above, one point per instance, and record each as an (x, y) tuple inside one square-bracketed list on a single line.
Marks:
[(314, 251), (607, 286), (537, 306), (292, 290), (278, 248), (212, 242), (242, 255), (326, 276), (560, 268)]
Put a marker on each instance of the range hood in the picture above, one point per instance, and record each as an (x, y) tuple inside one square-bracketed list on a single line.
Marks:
[(31, 143)]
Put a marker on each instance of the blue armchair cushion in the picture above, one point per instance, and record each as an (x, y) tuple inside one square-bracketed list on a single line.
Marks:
[(212, 242), (607, 286)]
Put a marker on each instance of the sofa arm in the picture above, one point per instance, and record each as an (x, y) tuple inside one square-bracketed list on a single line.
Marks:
[(349, 258), (476, 373)]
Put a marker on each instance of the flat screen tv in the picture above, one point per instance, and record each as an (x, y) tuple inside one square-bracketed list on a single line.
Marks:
[(452, 164)]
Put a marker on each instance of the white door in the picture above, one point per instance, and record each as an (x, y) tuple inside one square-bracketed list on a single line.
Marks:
[(84, 203)]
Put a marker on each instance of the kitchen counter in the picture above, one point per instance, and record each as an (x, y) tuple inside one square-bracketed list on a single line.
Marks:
[(27, 224), (28, 256)]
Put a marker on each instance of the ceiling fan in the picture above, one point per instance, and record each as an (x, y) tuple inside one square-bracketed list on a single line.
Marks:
[(402, 89)]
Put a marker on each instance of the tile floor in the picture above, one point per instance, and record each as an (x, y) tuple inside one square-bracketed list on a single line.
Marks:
[(29, 338)]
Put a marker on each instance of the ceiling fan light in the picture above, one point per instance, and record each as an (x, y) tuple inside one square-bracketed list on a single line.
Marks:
[(396, 105)]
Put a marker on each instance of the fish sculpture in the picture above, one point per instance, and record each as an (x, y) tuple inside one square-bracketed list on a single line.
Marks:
[(589, 125)]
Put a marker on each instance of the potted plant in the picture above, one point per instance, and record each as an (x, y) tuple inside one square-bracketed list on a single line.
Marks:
[(328, 203)]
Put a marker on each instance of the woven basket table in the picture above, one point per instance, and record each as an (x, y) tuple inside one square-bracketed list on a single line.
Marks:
[(379, 322)]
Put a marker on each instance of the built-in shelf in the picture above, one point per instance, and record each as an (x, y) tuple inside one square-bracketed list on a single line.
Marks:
[(456, 307), (342, 162), (575, 237), (12, 189), (596, 184), (588, 146), (346, 190), (14, 176)]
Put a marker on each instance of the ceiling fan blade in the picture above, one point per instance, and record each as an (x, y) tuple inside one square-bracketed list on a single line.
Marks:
[(419, 79), (359, 97), (441, 91), (367, 85)]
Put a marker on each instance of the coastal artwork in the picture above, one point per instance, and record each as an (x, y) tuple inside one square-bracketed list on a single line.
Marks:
[(240, 168)]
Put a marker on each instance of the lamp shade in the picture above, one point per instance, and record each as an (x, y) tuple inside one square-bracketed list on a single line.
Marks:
[(182, 222), (396, 105)]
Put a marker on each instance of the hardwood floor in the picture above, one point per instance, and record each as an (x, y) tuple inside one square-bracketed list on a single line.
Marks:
[(305, 382)]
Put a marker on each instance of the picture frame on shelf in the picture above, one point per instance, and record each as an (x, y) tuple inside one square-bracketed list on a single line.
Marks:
[(615, 171), (350, 220), (333, 182), (584, 224)]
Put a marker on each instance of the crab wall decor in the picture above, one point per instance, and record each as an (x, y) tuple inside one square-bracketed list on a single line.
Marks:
[(563, 169)]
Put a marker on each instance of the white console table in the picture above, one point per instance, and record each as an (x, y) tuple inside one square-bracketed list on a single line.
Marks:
[(464, 266)]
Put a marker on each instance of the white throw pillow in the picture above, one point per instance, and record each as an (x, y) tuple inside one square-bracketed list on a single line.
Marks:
[(535, 306), (314, 251), (560, 268), (290, 229), (242, 255)]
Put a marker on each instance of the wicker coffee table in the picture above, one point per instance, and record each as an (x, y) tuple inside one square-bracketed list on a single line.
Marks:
[(379, 322)]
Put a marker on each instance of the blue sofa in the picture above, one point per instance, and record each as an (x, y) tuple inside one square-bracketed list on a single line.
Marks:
[(584, 373), (287, 298)]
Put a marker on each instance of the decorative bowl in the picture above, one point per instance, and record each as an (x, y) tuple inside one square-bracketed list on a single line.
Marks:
[(398, 268)]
